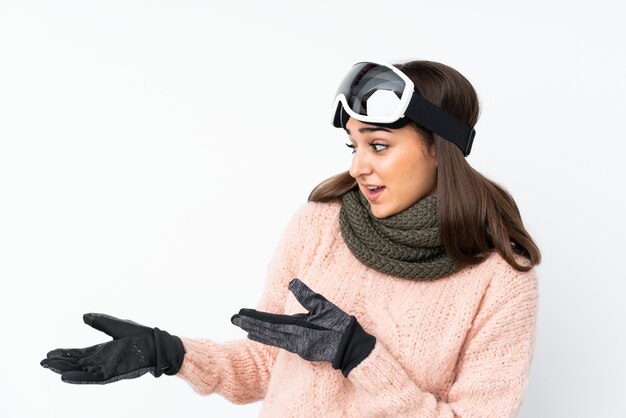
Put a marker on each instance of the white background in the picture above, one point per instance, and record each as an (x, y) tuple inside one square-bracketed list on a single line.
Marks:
[(153, 151)]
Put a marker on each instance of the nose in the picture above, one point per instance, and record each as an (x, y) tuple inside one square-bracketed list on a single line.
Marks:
[(360, 165)]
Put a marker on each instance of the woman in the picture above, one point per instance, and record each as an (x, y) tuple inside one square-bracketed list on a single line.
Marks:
[(404, 287)]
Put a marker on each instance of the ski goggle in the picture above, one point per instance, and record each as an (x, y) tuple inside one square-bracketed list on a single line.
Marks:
[(381, 94)]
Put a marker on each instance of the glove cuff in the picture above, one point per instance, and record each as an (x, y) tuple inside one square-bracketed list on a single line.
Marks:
[(169, 353), (355, 345)]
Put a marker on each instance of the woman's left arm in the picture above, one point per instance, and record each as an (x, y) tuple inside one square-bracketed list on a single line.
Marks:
[(492, 371)]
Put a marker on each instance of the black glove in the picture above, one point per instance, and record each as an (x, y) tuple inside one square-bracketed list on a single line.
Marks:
[(134, 351), (326, 333)]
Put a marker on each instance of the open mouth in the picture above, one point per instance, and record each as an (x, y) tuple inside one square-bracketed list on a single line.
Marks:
[(373, 194)]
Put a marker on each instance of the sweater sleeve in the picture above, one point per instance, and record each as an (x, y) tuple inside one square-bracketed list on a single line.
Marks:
[(240, 370), (492, 369)]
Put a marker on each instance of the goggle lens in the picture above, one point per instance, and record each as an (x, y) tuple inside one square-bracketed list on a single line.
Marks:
[(372, 90)]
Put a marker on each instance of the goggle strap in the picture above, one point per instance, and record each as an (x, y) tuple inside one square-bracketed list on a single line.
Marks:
[(440, 122)]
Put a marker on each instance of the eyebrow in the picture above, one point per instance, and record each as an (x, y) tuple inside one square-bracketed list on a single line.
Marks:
[(364, 130)]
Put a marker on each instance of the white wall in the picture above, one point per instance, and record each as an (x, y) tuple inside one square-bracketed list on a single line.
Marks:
[(151, 153)]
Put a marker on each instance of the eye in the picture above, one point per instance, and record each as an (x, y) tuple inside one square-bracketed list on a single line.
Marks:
[(379, 145), (375, 146)]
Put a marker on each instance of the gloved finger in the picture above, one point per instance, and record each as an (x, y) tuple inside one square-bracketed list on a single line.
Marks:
[(53, 369), (74, 353), (246, 323), (287, 326), (45, 364), (267, 340), (271, 317), (313, 302), (281, 319), (114, 327), (283, 332), (82, 377), (59, 365), (299, 345), (255, 325), (96, 375)]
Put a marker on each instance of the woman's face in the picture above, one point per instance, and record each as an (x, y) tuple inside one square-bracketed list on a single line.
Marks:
[(394, 159)]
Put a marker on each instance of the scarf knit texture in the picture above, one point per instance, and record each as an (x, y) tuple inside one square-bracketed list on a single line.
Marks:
[(406, 244), (458, 346)]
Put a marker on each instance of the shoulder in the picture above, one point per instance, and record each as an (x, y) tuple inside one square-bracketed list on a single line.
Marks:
[(506, 282), (311, 216), (309, 222), (305, 231)]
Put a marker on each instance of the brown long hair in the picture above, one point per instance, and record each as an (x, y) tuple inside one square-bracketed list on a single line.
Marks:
[(476, 215)]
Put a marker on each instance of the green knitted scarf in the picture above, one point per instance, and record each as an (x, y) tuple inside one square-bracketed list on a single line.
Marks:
[(406, 244)]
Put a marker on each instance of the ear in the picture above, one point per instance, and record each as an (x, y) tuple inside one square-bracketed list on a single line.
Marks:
[(432, 153)]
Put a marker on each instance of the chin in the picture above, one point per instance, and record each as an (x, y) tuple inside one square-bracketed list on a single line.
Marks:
[(380, 213), (386, 210)]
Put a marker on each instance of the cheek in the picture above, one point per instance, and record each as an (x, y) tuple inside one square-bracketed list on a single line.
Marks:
[(407, 171), (397, 170), (411, 175)]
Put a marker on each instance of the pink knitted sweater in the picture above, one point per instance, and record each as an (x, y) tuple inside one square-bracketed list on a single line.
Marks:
[(459, 346)]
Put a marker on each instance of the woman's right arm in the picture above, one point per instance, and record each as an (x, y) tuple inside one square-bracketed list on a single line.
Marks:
[(240, 370)]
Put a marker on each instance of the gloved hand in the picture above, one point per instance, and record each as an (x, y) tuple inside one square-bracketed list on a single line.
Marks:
[(326, 333), (134, 351)]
